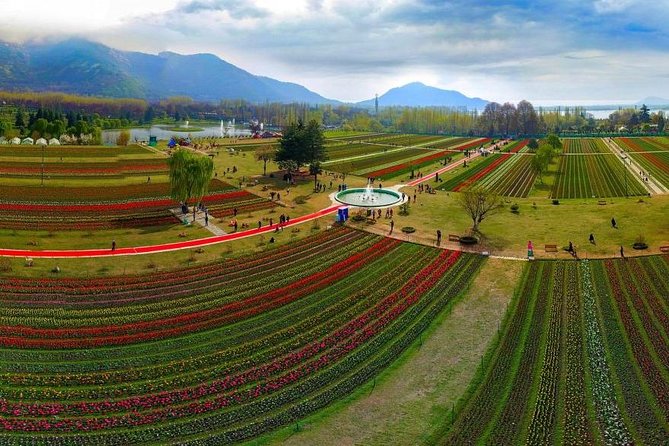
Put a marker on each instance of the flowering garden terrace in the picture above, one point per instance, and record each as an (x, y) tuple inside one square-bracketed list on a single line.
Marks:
[(130, 206), (220, 352)]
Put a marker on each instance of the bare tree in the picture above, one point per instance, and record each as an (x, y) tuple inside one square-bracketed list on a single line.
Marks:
[(527, 118), (479, 202)]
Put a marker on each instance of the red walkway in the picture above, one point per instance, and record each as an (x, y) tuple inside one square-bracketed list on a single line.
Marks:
[(120, 251)]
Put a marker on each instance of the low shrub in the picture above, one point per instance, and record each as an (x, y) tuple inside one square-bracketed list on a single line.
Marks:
[(468, 240)]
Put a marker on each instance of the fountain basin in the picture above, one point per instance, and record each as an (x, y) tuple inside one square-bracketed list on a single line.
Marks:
[(368, 198)]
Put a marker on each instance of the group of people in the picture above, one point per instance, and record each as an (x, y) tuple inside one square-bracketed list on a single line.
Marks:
[(425, 188)]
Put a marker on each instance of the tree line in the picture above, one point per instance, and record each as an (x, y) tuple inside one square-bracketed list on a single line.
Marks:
[(507, 119)]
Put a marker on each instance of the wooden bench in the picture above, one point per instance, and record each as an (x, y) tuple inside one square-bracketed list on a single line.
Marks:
[(550, 248), (453, 238), (664, 248)]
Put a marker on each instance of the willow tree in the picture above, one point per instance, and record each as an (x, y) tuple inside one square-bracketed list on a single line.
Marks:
[(190, 175)]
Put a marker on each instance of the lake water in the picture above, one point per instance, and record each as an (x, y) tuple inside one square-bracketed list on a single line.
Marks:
[(163, 134)]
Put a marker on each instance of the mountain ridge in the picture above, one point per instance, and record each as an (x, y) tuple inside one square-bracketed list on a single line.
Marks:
[(83, 67), (417, 94), (80, 66)]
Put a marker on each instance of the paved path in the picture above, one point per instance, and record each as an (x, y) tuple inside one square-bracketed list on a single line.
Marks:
[(121, 251), (200, 220)]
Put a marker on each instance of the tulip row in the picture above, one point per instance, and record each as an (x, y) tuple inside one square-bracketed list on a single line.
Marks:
[(577, 429), (119, 167), (544, 419), (86, 195), (609, 417), (643, 354)]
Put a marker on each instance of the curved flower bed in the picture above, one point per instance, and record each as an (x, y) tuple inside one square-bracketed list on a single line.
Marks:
[(223, 351)]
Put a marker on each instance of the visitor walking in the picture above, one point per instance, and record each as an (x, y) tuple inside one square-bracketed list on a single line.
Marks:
[(438, 237), (259, 224), (622, 252), (530, 250), (613, 223), (113, 245), (392, 225), (592, 238), (206, 219)]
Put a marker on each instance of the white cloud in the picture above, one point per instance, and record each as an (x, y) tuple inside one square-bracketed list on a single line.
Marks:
[(613, 6), (351, 49)]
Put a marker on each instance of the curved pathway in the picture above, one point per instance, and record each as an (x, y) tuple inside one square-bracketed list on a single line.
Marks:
[(120, 251)]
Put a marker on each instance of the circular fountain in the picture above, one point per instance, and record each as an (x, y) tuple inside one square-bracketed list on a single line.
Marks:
[(369, 197)]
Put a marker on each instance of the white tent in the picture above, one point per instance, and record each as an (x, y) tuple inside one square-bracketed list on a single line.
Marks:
[(28, 140), (41, 142), (15, 140), (3, 140), (54, 142)]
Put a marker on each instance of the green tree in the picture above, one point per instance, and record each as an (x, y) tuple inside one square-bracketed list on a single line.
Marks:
[(479, 202), (301, 145), (56, 128), (541, 159), (265, 154), (19, 121), (533, 145), (554, 141), (40, 126), (190, 175), (4, 127), (644, 114)]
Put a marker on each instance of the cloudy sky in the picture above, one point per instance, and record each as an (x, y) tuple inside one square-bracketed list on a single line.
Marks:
[(547, 51)]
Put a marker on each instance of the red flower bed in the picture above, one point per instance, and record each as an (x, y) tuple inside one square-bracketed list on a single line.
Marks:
[(20, 336), (432, 157), (482, 173), (271, 377)]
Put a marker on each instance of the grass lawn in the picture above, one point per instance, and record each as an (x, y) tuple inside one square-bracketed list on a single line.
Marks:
[(412, 397), (506, 233)]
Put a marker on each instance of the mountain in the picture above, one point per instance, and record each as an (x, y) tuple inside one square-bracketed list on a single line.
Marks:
[(83, 67), (653, 100), (417, 94)]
